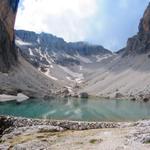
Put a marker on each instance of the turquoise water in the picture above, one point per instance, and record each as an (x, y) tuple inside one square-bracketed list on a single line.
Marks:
[(78, 109)]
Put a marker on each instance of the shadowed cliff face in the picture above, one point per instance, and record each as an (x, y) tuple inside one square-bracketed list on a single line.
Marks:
[(145, 21), (140, 43), (8, 52)]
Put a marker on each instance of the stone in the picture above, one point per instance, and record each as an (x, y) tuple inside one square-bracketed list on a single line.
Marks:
[(84, 95), (21, 97), (146, 99), (64, 92), (5, 123), (146, 140), (50, 129), (43, 69), (119, 95), (133, 99)]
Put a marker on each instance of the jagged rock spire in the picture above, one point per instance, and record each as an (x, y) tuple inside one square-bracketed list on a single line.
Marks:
[(140, 43), (144, 25), (8, 52)]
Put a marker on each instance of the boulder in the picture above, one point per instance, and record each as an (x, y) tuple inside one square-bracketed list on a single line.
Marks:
[(21, 97), (146, 99), (84, 95), (119, 95), (4, 124)]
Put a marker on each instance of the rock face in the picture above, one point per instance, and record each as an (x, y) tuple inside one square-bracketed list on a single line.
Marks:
[(23, 77), (140, 43), (65, 62), (145, 21), (8, 52), (36, 47)]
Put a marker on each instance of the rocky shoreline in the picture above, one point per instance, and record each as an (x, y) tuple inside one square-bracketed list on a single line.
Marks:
[(7, 122), (22, 133)]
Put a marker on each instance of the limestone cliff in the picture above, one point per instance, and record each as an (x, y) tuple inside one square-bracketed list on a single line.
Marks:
[(140, 43), (8, 52)]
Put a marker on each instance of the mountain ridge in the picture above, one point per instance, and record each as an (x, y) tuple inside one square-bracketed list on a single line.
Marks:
[(57, 43)]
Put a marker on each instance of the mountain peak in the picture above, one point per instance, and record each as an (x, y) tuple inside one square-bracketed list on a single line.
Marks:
[(140, 43), (144, 25)]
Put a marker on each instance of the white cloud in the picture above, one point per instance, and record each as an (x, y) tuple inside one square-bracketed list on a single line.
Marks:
[(65, 18), (106, 22)]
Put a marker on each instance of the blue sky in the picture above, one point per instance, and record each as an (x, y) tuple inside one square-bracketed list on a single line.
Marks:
[(106, 22)]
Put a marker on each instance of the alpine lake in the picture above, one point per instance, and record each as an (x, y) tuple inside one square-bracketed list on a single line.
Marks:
[(78, 109)]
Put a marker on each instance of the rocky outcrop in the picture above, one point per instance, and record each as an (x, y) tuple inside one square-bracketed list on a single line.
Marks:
[(140, 43), (8, 52), (145, 21)]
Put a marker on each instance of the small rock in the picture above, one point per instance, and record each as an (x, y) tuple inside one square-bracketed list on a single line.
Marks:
[(146, 99), (133, 99), (146, 140)]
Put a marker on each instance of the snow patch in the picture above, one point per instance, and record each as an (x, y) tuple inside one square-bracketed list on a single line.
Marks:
[(46, 56), (30, 52), (78, 76), (22, 43), (83, 59), (38, 40), (100, 58)]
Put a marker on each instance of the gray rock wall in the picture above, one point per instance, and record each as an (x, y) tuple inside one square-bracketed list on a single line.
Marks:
[(8, 52), (140, 43)]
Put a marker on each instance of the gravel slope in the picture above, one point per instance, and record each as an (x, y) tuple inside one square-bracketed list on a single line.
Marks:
[(128, 76), (26, 79)]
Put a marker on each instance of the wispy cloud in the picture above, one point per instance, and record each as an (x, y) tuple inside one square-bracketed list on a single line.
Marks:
[(104, 22), (66, 18)]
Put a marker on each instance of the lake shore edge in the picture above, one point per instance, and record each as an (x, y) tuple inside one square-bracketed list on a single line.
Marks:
[(17, 122)]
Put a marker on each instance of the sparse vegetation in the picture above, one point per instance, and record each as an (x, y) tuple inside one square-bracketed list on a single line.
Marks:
[(94, 141)]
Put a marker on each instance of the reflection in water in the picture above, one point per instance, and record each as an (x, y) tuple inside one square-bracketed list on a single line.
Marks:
[(78, 109), (117, 104), (84, 101)]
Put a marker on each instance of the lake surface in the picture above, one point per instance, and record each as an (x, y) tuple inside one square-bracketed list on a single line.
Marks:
[(78, 109)]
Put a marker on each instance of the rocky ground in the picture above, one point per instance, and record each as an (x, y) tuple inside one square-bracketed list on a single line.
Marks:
[(28, 134)]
